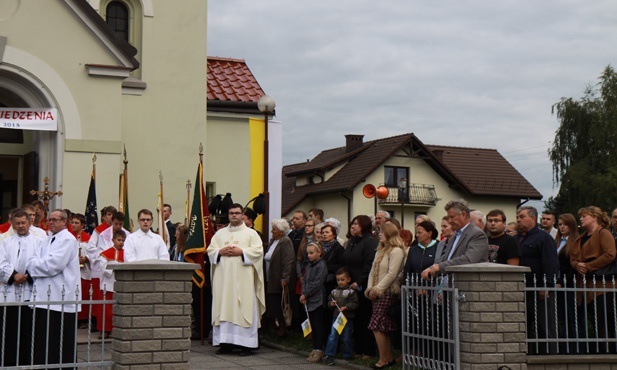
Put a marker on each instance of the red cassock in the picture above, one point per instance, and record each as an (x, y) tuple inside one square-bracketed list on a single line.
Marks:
[(111, 254)]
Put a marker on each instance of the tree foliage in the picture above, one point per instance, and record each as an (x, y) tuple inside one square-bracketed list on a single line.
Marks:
[(584, 151)]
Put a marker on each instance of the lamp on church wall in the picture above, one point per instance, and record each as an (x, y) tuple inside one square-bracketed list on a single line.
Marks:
[(266, 105)]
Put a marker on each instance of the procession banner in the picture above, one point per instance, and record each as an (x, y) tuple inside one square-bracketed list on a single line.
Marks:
[(42, 119)]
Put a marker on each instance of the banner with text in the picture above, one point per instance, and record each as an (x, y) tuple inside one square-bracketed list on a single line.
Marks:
[(44, 119)]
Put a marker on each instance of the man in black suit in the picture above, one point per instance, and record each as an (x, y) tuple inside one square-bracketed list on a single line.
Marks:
[(171, 229), (468, 245)]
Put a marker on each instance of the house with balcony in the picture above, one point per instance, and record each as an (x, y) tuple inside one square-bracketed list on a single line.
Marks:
[(420, 179)]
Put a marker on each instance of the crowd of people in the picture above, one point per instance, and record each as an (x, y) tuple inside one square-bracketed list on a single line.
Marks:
[(306, 271), (50, 258)]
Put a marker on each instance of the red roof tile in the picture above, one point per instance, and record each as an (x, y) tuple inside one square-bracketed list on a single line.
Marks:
[(231, 80)]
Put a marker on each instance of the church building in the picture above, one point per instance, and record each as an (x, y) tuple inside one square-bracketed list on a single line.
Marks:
[(79, 77)]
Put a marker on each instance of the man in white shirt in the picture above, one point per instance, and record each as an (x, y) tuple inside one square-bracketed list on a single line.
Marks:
[(55, 268), (36, 231), (143, 244), (15, 251)]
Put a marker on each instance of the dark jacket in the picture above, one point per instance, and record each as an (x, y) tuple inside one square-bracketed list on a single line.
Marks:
[(312, 283), (420, 259), (538, 252), (281, 266), (344, 297), (358, 258), (334, 261)]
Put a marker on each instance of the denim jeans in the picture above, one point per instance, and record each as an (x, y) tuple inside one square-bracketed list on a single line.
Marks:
[(346, 338)]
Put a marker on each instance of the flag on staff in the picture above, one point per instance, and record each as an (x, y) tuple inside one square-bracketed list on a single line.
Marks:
[(306, 324), (339, 323), (123, 204), (92, 216), (162, 228), (200, 229)]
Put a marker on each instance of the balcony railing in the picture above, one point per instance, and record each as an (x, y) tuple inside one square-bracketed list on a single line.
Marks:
[(418, 194)]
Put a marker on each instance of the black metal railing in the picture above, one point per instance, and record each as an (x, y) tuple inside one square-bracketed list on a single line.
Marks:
[(419, 194)]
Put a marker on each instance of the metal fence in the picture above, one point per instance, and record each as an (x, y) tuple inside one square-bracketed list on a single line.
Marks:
[(571, 315), (430, 323), (25, 324)]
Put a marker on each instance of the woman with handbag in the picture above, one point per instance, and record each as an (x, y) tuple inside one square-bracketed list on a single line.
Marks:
[(279, 271), (592, 255), (384, 290)]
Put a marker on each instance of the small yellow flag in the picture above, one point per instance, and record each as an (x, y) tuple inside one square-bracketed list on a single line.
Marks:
[(306, 327), (339, 323)]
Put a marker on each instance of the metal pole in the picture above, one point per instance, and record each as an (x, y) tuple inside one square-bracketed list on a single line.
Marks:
[(266, 219)]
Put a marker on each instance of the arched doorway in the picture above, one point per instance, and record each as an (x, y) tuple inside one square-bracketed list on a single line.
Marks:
[(26, 156)]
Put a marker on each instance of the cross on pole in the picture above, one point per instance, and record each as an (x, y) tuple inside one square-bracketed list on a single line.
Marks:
[(45, 195)]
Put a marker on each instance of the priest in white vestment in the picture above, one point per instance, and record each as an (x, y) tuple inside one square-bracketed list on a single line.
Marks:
[(238, 294)]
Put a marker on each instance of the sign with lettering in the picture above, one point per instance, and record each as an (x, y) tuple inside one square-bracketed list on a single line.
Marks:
[(44, 119)]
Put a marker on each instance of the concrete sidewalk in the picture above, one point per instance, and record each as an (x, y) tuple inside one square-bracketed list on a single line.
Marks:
[(268, 356)]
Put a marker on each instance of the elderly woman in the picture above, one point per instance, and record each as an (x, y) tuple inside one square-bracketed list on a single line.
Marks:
[(279, 264), (384, 289), (593, 257)]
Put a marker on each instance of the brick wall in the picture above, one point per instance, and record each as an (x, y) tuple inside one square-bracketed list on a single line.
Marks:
[(491, 317), (152, 315)]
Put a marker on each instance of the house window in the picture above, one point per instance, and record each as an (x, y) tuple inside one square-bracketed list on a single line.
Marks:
[(118, 19), (393, 174), (210, 190)]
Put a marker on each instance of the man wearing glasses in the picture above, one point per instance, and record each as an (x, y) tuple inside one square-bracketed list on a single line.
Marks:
[(55, 269), (143, 244), (238, 296)]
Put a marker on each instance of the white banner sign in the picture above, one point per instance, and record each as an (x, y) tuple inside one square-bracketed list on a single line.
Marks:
[(44, 119)]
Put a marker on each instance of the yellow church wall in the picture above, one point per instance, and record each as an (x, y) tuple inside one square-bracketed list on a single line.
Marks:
[(228, 157)]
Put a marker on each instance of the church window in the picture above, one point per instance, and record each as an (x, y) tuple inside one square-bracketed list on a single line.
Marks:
[(118, 19)]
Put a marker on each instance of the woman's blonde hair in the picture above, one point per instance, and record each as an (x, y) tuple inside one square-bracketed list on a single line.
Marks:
[(593, 211), (393, 238)]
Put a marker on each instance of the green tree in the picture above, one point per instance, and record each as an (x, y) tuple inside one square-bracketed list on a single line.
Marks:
[(584, 151)]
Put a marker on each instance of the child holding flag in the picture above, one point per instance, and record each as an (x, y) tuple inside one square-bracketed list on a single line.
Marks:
[(312, 297), (109, 256), (345, 301)]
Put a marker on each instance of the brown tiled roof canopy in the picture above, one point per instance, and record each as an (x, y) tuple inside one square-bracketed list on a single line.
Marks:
[(231, 80), (485, 171), (482, 172)]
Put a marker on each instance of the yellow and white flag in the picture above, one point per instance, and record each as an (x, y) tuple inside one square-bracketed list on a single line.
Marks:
[(339, 323), (306, 327)]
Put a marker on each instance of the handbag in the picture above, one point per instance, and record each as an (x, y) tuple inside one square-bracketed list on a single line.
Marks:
[(287, 314)]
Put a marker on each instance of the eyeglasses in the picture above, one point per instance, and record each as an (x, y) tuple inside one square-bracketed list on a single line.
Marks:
[(145, 219), (490, 220), (55, 220), (234, 213), (309, 225)]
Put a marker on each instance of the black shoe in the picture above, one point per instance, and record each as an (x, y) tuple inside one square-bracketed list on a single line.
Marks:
[(391, 363), (245, 352), (224, 351)]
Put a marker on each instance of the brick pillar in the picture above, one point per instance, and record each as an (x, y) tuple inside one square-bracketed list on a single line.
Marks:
[(152, 315), (492, 316)]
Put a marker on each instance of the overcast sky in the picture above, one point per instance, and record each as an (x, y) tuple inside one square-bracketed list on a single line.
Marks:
[(462, 73)]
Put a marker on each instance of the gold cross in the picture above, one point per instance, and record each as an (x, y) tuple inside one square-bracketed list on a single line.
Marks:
[(46, 195)]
